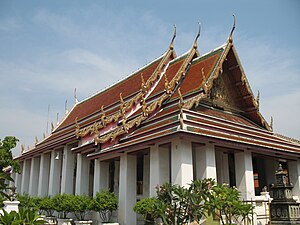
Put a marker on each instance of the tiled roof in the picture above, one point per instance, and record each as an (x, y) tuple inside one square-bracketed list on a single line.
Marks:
[(172, 95)]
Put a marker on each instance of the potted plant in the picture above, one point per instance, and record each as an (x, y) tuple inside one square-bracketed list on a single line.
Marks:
[(147, 208), (82, 204), (105, 202), (63, 206), (47, 206)]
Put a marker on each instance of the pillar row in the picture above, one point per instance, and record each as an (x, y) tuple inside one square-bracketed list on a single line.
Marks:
[(127, 190), (244, 174), (34, 176), (55, 173), (159, 167), (294, 176), (82, 175), (44, 174), (206, 161), (25, 176), (68, 165), (101, 176), (181, 162)]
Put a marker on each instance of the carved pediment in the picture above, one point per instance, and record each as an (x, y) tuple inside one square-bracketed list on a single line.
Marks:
[(222, 95)]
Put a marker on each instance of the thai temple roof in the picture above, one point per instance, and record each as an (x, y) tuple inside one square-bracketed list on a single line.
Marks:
[(203, 96)]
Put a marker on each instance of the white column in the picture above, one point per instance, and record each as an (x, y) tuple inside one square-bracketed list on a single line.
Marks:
[(159, 168), (82, 175), (127, 190), (146, 175), (182, 162), (294, 176), (67, 176), (101, 176), (244, 174), (25, 176), (18, 180), (55, 173), (44, 175), (206, 161), (34, 176)]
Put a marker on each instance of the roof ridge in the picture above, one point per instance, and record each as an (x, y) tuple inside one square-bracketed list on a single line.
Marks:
[(122, 79), (296, 141)]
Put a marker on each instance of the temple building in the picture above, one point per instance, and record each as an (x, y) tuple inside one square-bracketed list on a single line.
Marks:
[(177, 119)]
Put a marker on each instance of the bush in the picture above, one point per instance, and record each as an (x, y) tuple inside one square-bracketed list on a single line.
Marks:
[(47, 206), (63, 204), (24, 216), (105, 202), (147, 208), (180, 205), (81, 206), (226, 201)]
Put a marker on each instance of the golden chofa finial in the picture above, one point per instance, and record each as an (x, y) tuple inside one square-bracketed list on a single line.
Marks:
[(174, 36), (198, 35), (22, 148), (271, 123), (233, 27), (121, 99), (36, 140), (143, 85), (257, 99), (52, 126)]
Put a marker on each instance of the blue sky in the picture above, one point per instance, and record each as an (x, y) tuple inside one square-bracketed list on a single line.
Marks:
[(48, 48)]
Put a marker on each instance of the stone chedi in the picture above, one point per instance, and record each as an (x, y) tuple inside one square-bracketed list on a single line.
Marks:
[(284, 209)]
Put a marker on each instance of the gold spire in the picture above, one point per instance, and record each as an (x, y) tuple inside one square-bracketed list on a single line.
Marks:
[(204, 86), (271, 123), (22, 148), (144, 106), (198, 35), (143, 85), (36, 140), (102, 116), (181, 103), (174, 36), (257, 99), (52, 126), (233, 27)]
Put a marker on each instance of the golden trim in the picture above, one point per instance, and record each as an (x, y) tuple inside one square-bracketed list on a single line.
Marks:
[(230, 39)]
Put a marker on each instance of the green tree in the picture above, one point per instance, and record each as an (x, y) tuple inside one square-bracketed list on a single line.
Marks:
[(225, 203), (6, 158)]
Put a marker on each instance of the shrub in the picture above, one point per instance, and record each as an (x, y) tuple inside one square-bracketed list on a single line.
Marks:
[(47, 206), (105, 202), (81, 206), (147, 208), (63, 204), (226, 201), (180, 205)]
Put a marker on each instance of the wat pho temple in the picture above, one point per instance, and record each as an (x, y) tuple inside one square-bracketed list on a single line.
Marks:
[(177, 119)]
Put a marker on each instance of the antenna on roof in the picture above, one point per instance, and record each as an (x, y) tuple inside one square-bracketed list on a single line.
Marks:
[(233, 27), (47, 128), (198, 35), (174, 36), (75, 96), (66, 106), (57, 118)]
